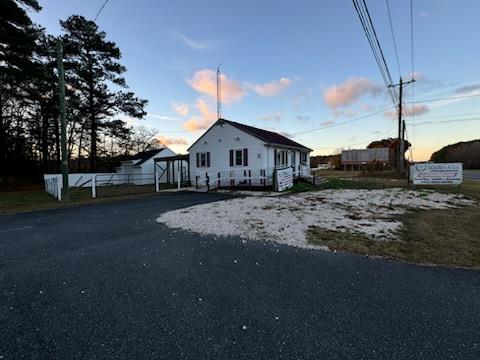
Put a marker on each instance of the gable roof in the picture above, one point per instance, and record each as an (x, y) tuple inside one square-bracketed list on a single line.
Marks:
[(144, 156), (269, 137)]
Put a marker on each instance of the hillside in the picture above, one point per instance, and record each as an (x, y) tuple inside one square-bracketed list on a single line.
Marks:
[(467, 152)]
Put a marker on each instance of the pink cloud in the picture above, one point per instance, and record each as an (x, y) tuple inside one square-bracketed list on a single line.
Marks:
[(354, 88), (272, 88), (204, 121), (408, 110), (205, 82), (181, 109), (167, 141)]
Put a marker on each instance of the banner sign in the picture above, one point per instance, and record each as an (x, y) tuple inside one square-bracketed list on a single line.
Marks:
[(436, 174), (284, 178)]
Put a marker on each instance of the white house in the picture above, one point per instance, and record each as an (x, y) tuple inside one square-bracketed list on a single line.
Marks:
[(230, 154), (139, 168)]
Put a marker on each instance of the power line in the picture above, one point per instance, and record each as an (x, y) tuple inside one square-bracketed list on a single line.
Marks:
[(100, 10), (454, 116), (345, 122), (393, 38), (371, 35), (413, 73), (446, 121), (447, 98)]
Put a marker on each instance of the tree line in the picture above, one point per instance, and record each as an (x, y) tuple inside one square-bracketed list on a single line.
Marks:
[(97, 96)]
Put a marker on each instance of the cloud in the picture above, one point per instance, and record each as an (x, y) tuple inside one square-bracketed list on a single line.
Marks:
[(204, 121), (302, 118), (167, 141), (194, 44), (205, 82), (162, 117), (327, 123), (181, 109), (283, 133), (346, 112), (272, 88), (408, 110), (271, 117), (354, 88), (467, 89)]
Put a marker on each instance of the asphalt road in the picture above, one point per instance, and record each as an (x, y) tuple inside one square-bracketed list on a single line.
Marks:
[(105, 281), (471, 174)]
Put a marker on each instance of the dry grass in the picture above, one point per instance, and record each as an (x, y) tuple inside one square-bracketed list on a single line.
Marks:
[(441, 237), (38, 199)]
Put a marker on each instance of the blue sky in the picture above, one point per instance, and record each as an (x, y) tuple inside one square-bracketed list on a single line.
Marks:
[(293, 67)]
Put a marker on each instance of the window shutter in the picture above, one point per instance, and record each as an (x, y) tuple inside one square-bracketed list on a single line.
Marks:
[(198, 160), (245, 157), (208, 159), (275, 157), (231, 157)]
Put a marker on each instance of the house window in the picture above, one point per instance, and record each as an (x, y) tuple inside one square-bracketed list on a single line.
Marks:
[(303, 158), (293, 156), (281, 157), (203, 159), (239, 157)]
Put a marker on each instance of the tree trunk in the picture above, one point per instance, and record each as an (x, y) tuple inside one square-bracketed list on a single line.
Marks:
[(44, 138), (79, 157), (3, 137)]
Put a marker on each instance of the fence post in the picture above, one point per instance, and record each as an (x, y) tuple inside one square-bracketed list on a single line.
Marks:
[(178, 173), (218, 182), (59, 190), (94, 186)]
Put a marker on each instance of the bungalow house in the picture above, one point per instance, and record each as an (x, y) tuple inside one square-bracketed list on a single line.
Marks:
[(232, 154), (139, 168)]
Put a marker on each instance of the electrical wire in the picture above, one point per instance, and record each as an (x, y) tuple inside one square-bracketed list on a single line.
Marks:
[(413, 75), (446, 121), (345, 122), (100, 10), (393, 38), (371, 35)]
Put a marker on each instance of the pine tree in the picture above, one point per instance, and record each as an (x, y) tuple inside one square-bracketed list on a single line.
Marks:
[(94, 71), (17, 43)]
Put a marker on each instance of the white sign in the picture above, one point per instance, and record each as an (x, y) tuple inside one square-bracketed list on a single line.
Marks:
[(284, 178), (436, 174)]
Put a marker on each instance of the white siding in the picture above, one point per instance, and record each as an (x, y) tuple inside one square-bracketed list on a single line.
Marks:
[(222, 138), (219, 140)]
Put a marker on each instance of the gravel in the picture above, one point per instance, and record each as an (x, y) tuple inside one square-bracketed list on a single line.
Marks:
[(285, 219)]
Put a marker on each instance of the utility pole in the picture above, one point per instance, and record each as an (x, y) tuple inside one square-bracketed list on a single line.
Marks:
[(219, 93), (401, 126), (63, 121)]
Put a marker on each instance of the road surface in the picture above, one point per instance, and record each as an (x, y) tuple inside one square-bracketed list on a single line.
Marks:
[(471, 174), (105, 281)]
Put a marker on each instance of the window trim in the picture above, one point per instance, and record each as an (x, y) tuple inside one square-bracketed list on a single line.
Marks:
[(235, 158), (282, 157), (302, 161), (205, 154)]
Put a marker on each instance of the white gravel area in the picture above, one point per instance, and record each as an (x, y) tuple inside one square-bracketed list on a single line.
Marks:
[(285, 219)]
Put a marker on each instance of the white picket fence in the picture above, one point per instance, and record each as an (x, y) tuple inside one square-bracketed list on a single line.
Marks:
[(54, 182), (243, 177)]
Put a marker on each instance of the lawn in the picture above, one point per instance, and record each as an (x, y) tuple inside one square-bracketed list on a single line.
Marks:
[(441, 237), (37, 198)]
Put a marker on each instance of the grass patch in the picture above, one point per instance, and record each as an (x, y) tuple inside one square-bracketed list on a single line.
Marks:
[(440, 237), (39, 199), (301, 186), (361, 183)]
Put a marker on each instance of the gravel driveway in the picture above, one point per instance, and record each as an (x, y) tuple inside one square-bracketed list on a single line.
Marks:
[(106, 281)]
